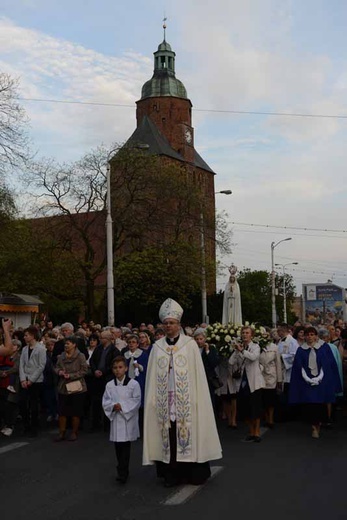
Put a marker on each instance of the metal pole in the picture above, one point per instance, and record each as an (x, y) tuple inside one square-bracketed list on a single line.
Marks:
[(273, 290), (109, 250), (205, 318), (284, 298)]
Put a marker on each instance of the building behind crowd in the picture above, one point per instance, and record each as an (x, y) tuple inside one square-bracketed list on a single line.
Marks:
[(165, 131)]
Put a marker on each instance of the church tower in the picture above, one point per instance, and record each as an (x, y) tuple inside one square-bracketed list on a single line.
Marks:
[(164, 100), (164, 129), (164, 121)]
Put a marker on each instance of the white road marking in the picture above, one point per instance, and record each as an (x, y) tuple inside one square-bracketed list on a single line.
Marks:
[(186, 492), (13, 446)]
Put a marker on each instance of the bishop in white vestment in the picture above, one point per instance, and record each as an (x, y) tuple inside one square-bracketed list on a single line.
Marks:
[(180, 432)]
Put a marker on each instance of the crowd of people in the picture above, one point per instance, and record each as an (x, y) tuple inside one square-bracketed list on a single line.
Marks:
[(42, 361), (300, 372), (167, 384)]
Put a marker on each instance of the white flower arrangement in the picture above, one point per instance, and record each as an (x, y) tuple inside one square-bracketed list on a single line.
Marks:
[(223, 337)]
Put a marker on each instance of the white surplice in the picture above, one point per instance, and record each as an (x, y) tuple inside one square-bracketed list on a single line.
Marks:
[(125, 424), (197, 436), (287, 348)]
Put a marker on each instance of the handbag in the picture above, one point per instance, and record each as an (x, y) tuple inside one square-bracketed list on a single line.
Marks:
[(216, 382), (74, 387), (237, 372)]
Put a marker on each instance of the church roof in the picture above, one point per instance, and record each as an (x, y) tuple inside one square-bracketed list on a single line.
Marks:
[(164, 81), (148, 137), (164, 46)]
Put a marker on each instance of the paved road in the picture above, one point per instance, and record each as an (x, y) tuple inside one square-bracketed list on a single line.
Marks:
[(288, 475)]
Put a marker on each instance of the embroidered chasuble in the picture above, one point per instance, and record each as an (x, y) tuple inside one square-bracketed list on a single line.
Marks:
[(177, 390)]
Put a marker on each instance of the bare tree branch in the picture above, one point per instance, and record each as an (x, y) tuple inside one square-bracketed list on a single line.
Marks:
[(13, 124)]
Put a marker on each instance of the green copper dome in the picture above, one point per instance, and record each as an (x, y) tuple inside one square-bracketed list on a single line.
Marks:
[(164, 81), (164, 46)]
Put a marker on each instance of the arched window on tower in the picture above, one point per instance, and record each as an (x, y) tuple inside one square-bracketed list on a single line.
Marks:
[(163, 62)]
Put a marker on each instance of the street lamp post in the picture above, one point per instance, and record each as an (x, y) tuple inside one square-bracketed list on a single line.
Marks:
[(109, 244), (284, 289), (109, 250), (273, 289), (205, 317)]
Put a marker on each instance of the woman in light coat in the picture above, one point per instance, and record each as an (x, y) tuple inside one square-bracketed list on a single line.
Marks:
[(251, 383), (270, 361)]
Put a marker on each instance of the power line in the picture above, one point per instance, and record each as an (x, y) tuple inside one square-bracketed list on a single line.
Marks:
[(294, 234), (211, 110), (68, 102), (289, 227), (330, 273)]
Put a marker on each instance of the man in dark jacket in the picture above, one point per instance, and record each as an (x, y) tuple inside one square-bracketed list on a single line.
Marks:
[(101, 372)]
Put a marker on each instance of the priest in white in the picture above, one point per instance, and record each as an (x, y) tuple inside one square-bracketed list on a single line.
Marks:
[(180, 433)]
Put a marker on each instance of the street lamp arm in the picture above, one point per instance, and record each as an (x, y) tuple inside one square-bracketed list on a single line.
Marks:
[(225, 192), (273, 244)]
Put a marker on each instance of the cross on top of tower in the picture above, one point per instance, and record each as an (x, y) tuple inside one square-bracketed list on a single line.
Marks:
[(164, 27)]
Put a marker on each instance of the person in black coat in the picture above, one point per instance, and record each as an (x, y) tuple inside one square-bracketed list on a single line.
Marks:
[(210, 359), (101, 373)]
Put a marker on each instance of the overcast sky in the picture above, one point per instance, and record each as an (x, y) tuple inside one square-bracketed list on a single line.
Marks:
[(254, 56)]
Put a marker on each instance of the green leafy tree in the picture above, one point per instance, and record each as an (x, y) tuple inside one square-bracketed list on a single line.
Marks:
[(255, 289)]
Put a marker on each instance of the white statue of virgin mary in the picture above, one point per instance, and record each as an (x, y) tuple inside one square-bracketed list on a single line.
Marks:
[(232, 312)]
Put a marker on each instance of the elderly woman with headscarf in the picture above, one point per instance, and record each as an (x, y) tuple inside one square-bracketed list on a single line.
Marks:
[(315, 379)]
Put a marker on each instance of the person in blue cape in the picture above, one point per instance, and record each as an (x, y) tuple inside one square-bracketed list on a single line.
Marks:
[(315, 379)]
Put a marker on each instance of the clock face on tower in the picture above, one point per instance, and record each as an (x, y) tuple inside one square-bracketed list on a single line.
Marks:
[(188, 135)]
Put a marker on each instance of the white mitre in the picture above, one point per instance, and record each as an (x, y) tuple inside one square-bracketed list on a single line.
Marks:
[(170, 309)]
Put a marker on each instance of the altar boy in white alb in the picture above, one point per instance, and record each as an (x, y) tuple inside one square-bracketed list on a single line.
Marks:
[(121, 402), (180, 433)]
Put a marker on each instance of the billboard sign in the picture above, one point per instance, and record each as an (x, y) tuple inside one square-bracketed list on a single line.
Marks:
[(323, 303)]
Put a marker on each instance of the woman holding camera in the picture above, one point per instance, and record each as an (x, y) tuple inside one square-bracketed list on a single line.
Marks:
[(251, 382)]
